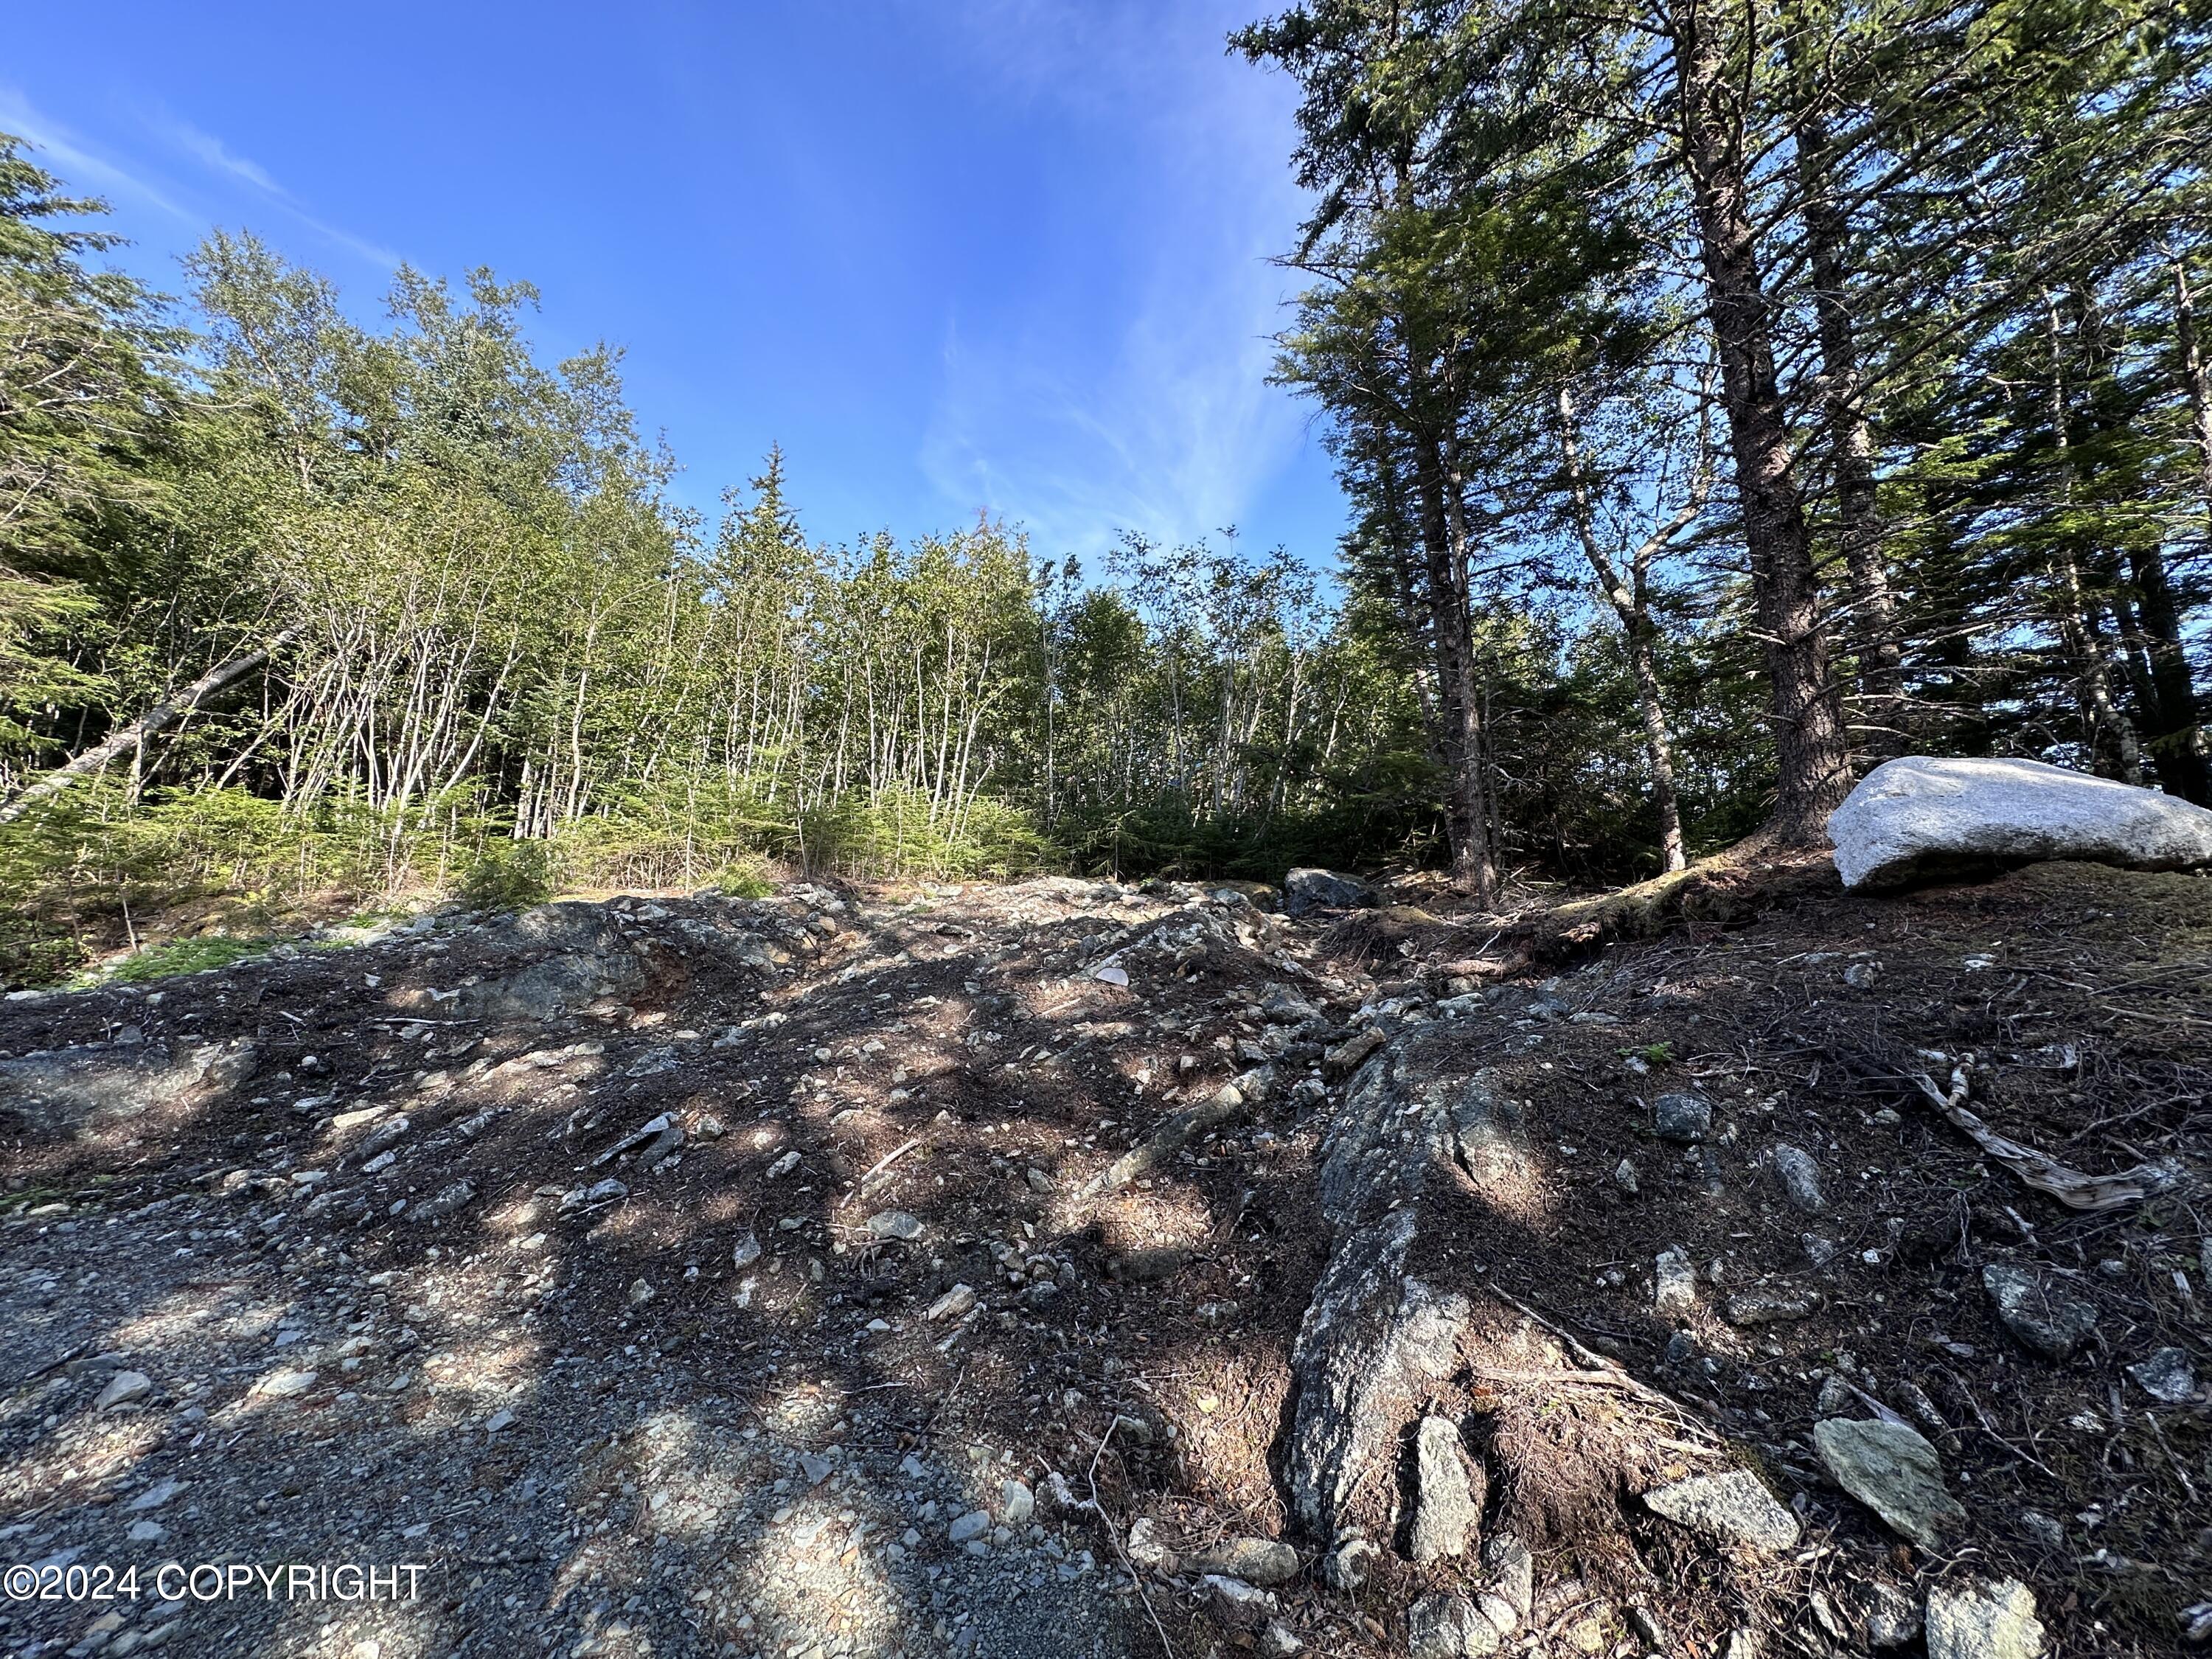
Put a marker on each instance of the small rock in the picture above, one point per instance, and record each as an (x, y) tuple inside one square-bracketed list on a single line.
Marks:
[(894, 1224), (1235, 1603), (817, 1468), (1016, 1502), (1341, 1062), (1624, 1177), (1892, 1470), (974, 1524), (746, 1252), (1769, 1307), (146, 1532), (1448, 1627), (1038, 1180), (1256, 1560), (1893, 1616), (640, 1292), (1445, 1511), (1818, 1250), (960, 1299), (156, 1495), (2036, 1311), (1345, 1568), (784, 1165), (1318, 889), (1990, 1618), (1676, 1282), (1279, 1640), (1799, 1176), (599, 1192), (2167, 1376), (1684, 1119), (122, 1388), (285, 1385), (444, 1202), (1513, 1572), (1144, 1548), (1734, 1507)]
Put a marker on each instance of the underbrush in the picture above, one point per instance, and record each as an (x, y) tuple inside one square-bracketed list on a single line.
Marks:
[(212, 872)]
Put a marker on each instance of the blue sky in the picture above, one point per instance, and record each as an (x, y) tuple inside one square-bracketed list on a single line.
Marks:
[(976, 254)]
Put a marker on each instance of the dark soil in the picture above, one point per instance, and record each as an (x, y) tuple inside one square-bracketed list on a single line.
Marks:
[(926, 1055)]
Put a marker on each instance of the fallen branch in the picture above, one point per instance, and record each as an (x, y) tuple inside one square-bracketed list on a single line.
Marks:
[(1176, 1132), (1113, 1532), (1602, 1367), (2073, 1188), (126, 737)]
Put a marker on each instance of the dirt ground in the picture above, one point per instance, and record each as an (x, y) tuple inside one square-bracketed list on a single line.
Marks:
[(870, 1355)]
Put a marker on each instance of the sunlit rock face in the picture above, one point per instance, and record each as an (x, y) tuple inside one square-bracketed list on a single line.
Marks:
[(1921, 817)]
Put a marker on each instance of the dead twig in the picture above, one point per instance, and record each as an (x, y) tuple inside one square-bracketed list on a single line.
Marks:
[(2073, 1188), (1602, 1366), (1097, 1507)]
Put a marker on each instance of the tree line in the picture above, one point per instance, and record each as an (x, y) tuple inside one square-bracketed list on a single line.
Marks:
[(1863, 333), (1724, 400)]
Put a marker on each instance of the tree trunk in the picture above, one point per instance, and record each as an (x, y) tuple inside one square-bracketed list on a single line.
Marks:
[(1459, 713), (2194, 385), (2177, 744), (1632, 603), (1850, 437), (2077, 624), (131, 738), (1812, 756)]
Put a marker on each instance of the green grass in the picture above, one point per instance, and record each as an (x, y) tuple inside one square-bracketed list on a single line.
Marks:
[(182, 955)]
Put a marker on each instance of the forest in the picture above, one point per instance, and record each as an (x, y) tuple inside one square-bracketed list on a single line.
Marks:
[(1723, 402)]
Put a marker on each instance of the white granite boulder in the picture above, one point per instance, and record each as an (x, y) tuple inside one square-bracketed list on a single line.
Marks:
[(1921, 817)]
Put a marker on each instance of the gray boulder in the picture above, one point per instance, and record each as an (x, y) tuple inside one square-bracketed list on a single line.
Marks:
[(1921, 817), (557, 985), (1305, 890), (1683, 1119), (1799, 1176), (1993, 1619), (1895, 1473), (1446, 1510), (1375, 1338), (64, 1089), (1261, 1561), (1734, 1507), (2034, 1309), (1448, 1627)]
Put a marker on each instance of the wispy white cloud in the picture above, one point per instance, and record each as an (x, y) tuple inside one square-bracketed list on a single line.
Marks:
[(213, 154), (211, 151), (1167, 426), (82, 166)]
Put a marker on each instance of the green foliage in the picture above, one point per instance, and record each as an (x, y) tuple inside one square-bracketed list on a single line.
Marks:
[(509, 876), (183, 956)]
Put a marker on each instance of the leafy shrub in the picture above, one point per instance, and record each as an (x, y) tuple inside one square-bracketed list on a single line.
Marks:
[(509, 875), (182, 955)]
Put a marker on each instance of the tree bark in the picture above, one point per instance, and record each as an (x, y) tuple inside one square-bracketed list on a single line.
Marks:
[(1632, 603), (1850, 435), (1459, 712), (1812, 755), (127, 738)]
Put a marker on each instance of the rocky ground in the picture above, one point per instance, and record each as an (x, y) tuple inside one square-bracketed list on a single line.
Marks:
[(1073, 1268)]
